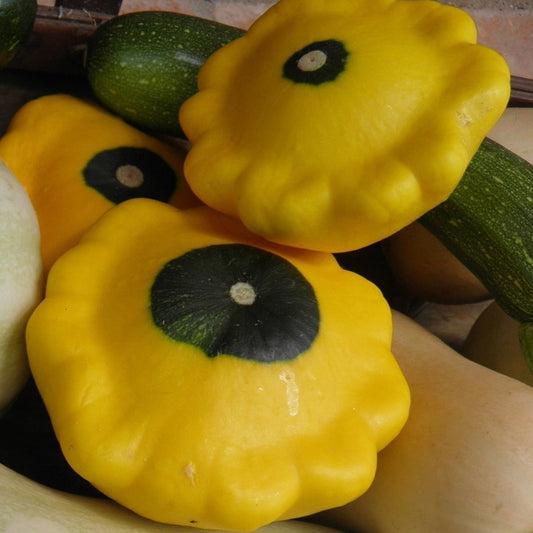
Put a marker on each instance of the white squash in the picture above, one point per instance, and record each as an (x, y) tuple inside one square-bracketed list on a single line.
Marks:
[(20, 281), (30, 507), (463, 462)]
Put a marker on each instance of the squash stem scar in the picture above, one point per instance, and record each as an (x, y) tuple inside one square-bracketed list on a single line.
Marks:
[(242, 293), (130, 176), (313, 60)]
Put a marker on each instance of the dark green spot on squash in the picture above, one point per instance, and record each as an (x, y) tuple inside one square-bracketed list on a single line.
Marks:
[(238, 300), (123, 173), (316, 63)]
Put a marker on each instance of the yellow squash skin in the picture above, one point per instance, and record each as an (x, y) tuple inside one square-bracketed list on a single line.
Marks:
[(340, 164), (49, 143), (219, 442)]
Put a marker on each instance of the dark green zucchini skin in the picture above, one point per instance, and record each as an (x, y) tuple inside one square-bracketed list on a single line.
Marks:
[(144, 65), (17, 18), (487, 223)]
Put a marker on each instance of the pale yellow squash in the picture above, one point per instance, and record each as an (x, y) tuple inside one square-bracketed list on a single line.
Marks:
[(425, 268), (493, 342), (464, 461)]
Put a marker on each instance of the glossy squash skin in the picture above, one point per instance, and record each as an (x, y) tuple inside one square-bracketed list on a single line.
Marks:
[(193, 370), (327, 141)]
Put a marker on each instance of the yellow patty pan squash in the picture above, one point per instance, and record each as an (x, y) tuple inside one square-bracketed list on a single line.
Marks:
[(202, 376), (332, 124), (76, 160)]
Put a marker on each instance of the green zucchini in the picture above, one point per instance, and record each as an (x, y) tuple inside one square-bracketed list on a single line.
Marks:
[(17, 18), (143, 65), (487, 223)]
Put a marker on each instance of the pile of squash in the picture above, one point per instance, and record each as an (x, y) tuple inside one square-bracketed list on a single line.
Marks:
[(175, 281)]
